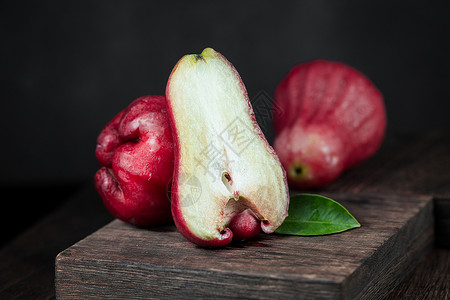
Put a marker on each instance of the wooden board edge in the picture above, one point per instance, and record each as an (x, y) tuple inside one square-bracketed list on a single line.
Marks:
[(76, 281), (420, 230)]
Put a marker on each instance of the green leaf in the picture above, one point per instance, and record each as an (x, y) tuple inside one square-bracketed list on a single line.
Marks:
[(316, 215)]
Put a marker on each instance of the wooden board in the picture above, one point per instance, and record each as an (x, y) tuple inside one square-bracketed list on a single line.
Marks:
[(121, 261), (408, 164)]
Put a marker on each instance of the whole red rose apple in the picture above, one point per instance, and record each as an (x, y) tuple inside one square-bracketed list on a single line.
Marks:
[(332, 118), (135, 150)]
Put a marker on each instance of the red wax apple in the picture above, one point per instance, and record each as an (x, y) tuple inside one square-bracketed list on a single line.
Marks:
[(223, 163), (332, 118), (244, 225), (135, 151)]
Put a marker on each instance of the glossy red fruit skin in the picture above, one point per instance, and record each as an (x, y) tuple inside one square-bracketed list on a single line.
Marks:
[(244, 226), (333, 118), (135, 151)]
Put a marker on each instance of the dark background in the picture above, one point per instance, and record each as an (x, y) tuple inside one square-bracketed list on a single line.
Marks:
[(68, 67)]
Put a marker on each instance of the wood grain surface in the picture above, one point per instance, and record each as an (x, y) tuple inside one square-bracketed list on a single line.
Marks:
[(429, 281), (121, 261), (407, 165), (27, 263)]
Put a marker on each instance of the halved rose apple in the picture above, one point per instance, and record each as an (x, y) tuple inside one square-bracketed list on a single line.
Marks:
[(224, 166)]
